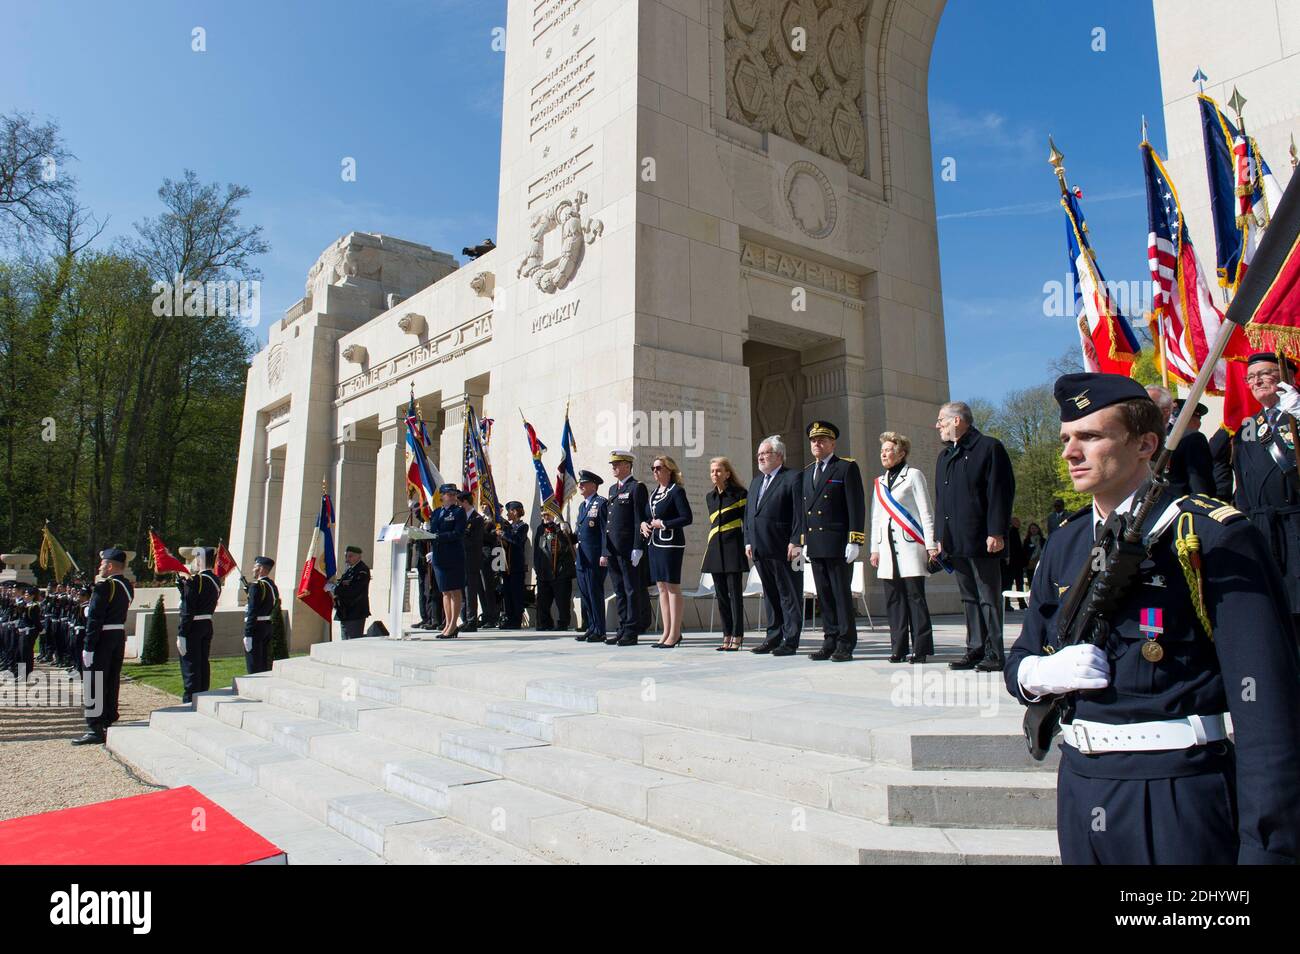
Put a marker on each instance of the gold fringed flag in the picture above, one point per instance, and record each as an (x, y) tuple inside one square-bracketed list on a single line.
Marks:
[(161, 559), (52, 552), (1267, 303)]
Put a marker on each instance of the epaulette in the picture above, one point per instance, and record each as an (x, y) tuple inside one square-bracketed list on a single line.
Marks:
[(849, 459), (1208, 506), (1086, 508)]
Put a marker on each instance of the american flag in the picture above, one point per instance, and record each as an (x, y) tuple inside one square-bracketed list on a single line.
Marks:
[(470, 466)]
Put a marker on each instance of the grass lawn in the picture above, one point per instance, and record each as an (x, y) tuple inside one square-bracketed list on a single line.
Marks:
[(167, 676)]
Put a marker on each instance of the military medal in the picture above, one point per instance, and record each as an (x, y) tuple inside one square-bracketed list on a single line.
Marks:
[(1151, 622)]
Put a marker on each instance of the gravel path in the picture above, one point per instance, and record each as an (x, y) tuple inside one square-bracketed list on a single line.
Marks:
[(40, 771)]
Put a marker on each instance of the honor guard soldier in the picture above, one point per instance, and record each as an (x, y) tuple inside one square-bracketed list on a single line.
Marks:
[(263, 601), (199, 596), (1264, 462), (1148, 774), (834, 522), (475, 534), (593, 515), (554, 570), (624, 548), (514, 539), (105, 645), (352, 594)]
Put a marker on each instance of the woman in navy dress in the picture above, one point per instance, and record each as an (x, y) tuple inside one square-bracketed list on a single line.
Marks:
[(448, 524), (670, 514)]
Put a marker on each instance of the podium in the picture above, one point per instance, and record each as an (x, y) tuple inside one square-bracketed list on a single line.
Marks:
[(399, 536)]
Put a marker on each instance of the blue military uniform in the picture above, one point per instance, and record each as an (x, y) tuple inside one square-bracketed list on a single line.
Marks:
[(448, 524), (1193, 638), (514, 539), (1268, 491), (629, 507), (106, 640), (199, 596), (593, 515), (263, 601)]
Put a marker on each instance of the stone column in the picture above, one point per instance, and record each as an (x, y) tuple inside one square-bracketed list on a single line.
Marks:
[(451, 439), (354, 483), (272, 495), (390, 499)]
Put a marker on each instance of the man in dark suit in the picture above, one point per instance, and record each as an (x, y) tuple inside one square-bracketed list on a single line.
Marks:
[(772, 530), (833, 523), (475, 533), (352, 594), (1221, 454), (593, 515), (105, 646), (973, 490), (1191, 469), (629, 507)]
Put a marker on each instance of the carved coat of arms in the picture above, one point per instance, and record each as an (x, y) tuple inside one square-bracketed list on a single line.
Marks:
[(575, 235)]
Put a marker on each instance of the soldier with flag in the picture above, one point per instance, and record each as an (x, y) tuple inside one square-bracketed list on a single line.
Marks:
[(199, 595), (263, 602)]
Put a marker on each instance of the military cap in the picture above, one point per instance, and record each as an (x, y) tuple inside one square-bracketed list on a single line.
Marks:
[(210, 557), (351, 549), (264, 561), (1087, 393), (465, 496), (586, 476), (823, 429), (449, 489), (514, 505), (1201, 409), (114, 554), (616, 455)]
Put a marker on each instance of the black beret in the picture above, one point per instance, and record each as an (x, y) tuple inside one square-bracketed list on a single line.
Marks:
[(823, 429), (514, 505), (1082, 394), (264, 561), (586, 476), (1201, 409), (114, 554), (356, 550), (1259, 356)]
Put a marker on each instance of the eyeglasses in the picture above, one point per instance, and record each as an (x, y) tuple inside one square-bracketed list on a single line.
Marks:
[(1260, 376), (658, 467)]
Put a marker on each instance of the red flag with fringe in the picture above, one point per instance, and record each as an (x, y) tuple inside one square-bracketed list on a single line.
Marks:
[(161, 559)]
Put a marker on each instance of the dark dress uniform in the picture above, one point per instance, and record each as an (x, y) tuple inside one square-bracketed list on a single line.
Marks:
[(106, 639), (773, 521), (667, 545), (475, 533), (352, 599), (629, 507), (493, 561), (1268, 493), (1215, 803), (514, 539), (1191, 469), (1221, 454), (834, 515), (448, 525), (199, 596), (593, 513), (263, 601), (724, 554), (554, 570)]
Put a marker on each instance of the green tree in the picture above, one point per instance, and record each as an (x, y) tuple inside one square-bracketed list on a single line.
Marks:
[(155, 649), (279, 638)]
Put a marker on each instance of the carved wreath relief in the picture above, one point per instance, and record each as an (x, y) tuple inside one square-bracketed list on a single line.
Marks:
[(575, 235)]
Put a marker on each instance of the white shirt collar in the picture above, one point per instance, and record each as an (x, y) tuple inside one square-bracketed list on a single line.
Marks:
[(1125, 506)]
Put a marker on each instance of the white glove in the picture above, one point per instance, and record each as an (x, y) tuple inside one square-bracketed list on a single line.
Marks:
[(1288, 399), (636, 557), (851, 552), (87, 659), (180, 645), (1075, 667), (248, 644), (329, 587)]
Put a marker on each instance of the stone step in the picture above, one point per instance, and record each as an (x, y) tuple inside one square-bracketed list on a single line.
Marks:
[(536, 720), (346, 682), (460, 704), (595, 780), (1006, 800), (483, 748), (442, 841)]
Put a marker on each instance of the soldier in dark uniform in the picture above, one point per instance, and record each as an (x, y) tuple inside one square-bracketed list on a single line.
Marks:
[(105, 646), (263, 602), (593, 514), (490, 571), (1191, 469), (352, 594), (475, 531), (514, 539), (1148, 774), (834, 522), (29, 628), (624, 550), (554, 570), (1264, 463), (199, 596)]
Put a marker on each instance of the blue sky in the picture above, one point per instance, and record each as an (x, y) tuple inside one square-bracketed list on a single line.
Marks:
[(411, 90)]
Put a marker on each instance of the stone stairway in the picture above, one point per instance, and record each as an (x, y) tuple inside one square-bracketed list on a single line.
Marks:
[(543, 750)]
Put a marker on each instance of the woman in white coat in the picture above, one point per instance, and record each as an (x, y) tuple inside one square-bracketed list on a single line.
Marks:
[(902, 545)]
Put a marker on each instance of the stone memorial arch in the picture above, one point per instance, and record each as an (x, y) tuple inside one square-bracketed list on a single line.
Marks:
[(715, 221)]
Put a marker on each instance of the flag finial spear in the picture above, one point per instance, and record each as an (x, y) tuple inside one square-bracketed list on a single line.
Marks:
[(1236, 103), (1144, 127), (1295, 160), (1200, 79)]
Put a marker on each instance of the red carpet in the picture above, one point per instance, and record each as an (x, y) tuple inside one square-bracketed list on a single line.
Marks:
[(175, 827)]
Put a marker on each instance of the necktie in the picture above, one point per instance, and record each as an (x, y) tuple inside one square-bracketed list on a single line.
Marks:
[(821, 469), (763, 489)]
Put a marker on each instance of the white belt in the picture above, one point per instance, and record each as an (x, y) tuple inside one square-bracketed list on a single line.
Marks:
[(197, 618), (112, 627), (259, 619), (1091, 737)]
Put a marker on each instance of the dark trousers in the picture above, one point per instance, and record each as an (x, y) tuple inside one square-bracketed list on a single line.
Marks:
[(101, 681), (1189, 820), (1013, 578), (557, 593), (782, 599), (27, 649), (591, 587), (489, 602), (514, 598), (630, 595), (430, 596), (729, 589), (979, 580), (472, 591), (78, 644), (909, 616), (352, 628), (196, 669), (259, 658), (833, 578)]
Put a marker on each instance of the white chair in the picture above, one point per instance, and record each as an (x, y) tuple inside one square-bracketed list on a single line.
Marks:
[(810, 592), (754, 587), (704, 591), (859, 590)]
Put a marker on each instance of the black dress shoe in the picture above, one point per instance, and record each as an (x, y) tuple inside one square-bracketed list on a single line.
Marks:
[(842, 655), (822, 653), (90, 738), (596, 638), (626, 641), (989, 665), (766, 646), (580, 638), (895, 659), (966, 662), (784, 651), (612, 641), (915, 659), (468, 627)]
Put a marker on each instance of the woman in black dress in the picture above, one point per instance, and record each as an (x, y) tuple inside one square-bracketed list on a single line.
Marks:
[(724, 554), (670, 514), (447, 524)]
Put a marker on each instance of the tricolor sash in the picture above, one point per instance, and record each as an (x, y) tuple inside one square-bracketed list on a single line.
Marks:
[(899, 514)]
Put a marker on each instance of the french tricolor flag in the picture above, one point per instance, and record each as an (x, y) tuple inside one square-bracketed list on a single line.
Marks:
[(320, 565)]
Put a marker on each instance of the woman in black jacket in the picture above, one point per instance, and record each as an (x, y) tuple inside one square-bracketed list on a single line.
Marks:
[(665, 532), (724, 554)]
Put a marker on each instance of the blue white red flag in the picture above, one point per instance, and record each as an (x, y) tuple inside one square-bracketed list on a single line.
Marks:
[(566, 478), (422, 478), (320, 566), (1105, 336)]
